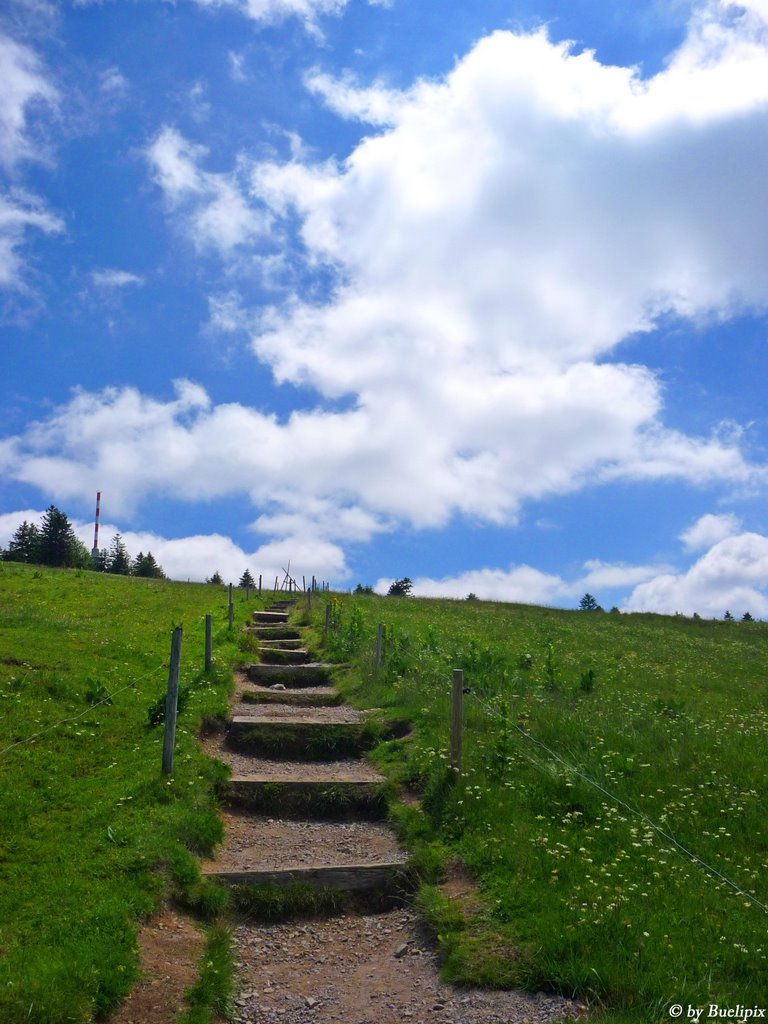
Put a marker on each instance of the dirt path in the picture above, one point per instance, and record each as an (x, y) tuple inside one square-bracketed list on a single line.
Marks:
[(364, 969)]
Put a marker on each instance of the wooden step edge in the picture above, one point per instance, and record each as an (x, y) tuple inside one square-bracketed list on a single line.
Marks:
[(248, 721), (297, 698), (307, 668)]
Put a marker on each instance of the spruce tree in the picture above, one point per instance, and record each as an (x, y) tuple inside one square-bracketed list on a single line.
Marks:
[(147, 567), (246, 580), (118, 560), (56, 544), (215, 579)]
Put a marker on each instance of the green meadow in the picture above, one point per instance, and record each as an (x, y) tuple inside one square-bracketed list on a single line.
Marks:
[(92, 837), (593, 744)]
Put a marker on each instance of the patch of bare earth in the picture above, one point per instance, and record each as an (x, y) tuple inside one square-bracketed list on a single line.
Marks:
[(365, 969), (170, 947)]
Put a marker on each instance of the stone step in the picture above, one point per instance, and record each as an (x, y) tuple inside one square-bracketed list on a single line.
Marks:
[(261, 850), (312, 673), (270, 655), (346, 795), (280, 644), (310, 696), (274, 632), (386, 878), (273, 617), (298, 735)]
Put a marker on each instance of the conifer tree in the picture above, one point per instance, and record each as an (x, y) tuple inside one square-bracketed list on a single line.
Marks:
[(57, 541), (24, 544), (246, 580), (147, 567)]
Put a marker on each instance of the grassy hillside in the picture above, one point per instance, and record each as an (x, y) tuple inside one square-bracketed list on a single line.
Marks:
[(568, 710), (91, 836), (575, 722)]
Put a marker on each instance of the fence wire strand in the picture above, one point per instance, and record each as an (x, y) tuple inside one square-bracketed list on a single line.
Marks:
[(88, 710), (616, 799)]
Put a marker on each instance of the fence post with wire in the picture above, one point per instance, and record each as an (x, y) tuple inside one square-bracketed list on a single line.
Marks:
[(457, 719), (171, 702)]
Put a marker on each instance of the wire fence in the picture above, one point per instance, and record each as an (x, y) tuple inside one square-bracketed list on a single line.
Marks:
[(82, 714), (104, 700), (616, 799)]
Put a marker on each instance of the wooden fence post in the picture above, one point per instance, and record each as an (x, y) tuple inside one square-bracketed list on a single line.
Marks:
[(379, 648), (457, 719), (259, 584), (231, 608), (208, 642), (171, 702), (275, 584)]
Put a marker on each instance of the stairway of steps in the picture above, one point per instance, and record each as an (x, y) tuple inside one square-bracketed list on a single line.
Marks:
[(294, 818), (296, 812)]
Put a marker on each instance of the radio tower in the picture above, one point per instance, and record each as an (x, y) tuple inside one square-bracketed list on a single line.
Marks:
[(95, 549)]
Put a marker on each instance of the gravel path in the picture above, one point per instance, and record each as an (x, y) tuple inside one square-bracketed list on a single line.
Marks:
[(365, 969), (260, 843)]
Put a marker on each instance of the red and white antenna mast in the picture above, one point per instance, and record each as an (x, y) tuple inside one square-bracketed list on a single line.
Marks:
[(95, 550)]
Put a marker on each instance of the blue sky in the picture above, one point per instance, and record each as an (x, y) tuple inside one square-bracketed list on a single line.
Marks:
[(473, 293)]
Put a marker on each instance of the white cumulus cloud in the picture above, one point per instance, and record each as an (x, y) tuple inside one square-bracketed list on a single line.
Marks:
[(212, 205), (709, 529), (731, 576), (26, 93)]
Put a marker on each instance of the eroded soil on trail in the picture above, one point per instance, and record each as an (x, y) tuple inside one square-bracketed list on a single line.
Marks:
[(170, 947)]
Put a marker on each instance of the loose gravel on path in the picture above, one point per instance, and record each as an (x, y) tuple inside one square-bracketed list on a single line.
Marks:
[(365, 969)]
